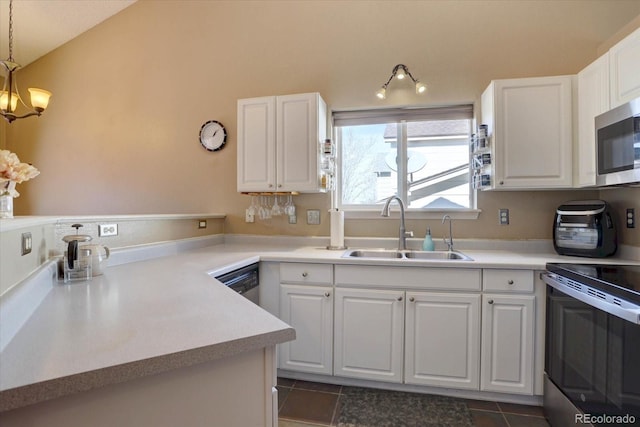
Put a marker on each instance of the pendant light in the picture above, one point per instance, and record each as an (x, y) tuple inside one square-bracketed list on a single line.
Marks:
[(9, 96), (401, 72)]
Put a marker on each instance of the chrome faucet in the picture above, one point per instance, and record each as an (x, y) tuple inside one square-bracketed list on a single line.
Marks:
[(403, 234), (449, 242)]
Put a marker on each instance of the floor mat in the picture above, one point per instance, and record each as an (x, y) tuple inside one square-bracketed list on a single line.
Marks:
[(365, 407)]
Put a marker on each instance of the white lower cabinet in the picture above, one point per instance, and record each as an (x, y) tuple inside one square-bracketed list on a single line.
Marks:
[(507, 343), (309, 310), (442, 339), (467, 329), (435, 335), (369, 334)]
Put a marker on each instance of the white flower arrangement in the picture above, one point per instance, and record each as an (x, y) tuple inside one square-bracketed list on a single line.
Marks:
[(13, 172)]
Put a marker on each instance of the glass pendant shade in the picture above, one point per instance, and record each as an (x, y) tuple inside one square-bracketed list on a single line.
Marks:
[(420, 88), (4, 101), (39, 98), (382, 93), (400, 75)]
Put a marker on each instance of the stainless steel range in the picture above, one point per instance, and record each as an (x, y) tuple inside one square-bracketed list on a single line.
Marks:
[(592, 355)]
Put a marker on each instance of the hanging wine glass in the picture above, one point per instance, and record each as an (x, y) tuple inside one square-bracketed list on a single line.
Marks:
[(263, 212), (289, 207), (252, 210), (276, 209)]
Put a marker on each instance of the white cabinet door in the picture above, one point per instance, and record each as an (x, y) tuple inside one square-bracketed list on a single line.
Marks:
[(593, 100), (309, 310), (443, 340), (257, 144), (299, 132), (279, 143), (624, 59), (369, 328), (530, 126), (507, 343)]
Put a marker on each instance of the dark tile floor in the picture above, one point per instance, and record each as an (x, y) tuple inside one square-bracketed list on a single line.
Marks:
[(310, 404)]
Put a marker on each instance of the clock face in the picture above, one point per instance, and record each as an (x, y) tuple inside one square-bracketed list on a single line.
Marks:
[(213, 135)]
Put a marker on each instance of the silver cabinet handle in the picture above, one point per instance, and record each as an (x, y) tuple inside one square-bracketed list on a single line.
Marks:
[(490, 301), (305, 274), (412, 299), (510, 282), (327, 294)]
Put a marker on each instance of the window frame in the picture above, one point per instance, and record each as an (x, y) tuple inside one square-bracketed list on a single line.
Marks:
[(400, 116)]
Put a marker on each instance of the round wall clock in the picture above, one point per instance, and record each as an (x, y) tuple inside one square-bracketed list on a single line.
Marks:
[(213, 135)]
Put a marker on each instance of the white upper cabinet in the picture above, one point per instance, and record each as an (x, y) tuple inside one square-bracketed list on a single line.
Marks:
[(530, 131), (279, 143), (593, 100), (624, 61)]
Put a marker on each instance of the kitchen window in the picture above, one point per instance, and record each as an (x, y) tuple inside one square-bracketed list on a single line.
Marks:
[(419, 154)]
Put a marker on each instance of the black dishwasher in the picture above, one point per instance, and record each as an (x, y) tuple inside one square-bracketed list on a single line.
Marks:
[(244, 281)]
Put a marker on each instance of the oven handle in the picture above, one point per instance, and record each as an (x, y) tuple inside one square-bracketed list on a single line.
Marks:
[(629, 312)]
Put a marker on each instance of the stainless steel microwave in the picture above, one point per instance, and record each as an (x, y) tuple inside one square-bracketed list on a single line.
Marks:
[(618, 145)]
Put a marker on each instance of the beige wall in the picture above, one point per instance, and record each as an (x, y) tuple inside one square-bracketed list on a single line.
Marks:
[(121, 134)]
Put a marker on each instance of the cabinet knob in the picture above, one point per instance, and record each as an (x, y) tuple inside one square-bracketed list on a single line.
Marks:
[(270, 185), (327, 294), (305, 274), (490, 301), (399, 298), (510, 282), (501, 182), (279, 185), (412, 299)]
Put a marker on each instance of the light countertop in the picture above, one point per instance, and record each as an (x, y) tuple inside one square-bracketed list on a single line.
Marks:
[(158, 314)]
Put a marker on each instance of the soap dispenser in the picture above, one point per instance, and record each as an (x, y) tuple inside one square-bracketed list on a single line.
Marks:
[(427, 244)]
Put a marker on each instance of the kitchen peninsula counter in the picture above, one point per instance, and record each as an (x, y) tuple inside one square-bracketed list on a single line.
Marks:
[(139, 319)]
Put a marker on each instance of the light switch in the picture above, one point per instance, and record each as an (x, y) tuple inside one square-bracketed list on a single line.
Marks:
[(27, 243)]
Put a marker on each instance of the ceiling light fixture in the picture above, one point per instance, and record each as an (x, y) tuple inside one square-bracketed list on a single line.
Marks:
[(9, 96), (401, 72)]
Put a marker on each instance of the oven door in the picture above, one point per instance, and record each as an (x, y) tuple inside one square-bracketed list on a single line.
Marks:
[(593, 358)]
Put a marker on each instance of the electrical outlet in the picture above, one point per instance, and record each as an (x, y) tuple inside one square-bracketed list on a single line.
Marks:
[(107, 230), (313, 216), (202, 223), (293, 219), (631, 218), (27, 243), (503, 216), (249, 216)]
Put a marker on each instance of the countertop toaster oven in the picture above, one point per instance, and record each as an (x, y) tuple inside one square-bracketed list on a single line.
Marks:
[(585, 228)]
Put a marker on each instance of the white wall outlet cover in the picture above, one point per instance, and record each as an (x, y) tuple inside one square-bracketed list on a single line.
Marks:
[(313, 216), (248, 216)]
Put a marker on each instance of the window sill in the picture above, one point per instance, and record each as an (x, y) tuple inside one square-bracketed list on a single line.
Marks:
[(412, 214)]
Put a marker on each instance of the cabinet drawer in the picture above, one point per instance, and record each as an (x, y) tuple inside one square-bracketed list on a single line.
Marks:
[(507, 280), (294, 272)]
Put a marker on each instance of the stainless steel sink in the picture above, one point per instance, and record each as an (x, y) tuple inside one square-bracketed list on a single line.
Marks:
[(408, 254), (437, 255), (373, 254)]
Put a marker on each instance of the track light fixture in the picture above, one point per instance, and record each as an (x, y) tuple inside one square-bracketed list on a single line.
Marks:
[(401, 72)]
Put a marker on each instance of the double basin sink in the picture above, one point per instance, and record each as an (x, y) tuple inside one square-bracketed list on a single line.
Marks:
[(407, 254)]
